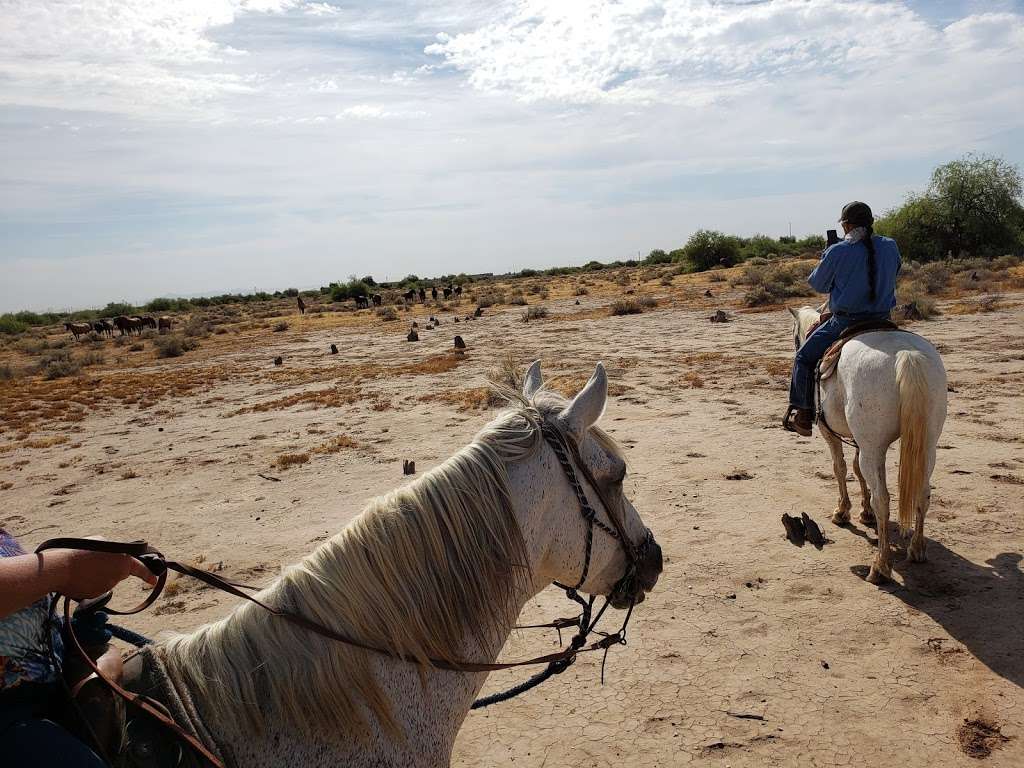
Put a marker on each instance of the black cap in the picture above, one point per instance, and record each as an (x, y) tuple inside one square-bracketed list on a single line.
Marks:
[(857, 214)]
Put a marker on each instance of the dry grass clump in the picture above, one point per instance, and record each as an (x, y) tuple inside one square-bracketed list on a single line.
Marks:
[(490, 299), (58, 365), (91, 358), (129, 474), (774, 283), (517, 299), (289, 460), (318, 398), (506, 372), (174, 345), (634, 305), (580, 290), (8, 372), (537, 312), (337, 444), (692, 380), (473, 399), (387, 314), (435, 364), (280, 326)]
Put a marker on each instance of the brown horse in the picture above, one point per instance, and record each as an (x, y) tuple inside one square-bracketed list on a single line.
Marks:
[(164, 323), (78, 329)]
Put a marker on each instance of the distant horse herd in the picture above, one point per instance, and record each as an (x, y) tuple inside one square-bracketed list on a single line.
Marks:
[(363, 301), (126, 325)]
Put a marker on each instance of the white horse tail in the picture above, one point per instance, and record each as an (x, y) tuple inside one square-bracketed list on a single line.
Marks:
[(913, 386)]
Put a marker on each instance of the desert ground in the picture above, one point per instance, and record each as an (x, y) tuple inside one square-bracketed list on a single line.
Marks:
[(750, 652)]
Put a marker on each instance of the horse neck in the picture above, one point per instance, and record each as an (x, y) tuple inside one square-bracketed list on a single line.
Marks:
[(430, 704)]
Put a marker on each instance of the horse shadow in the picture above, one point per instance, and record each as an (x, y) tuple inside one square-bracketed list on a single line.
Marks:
[(980, 605)]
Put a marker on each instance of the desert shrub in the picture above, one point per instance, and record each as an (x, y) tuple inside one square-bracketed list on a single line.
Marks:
[(622, 279), (57, 365), (581, 290), (91, 358), (280, 326), (912, 292), (490, 299), (353, 288), (774, 284), (288, 460), (197, 326), (517, 299), (647, 302), (716, 277), (8, 372), (657, 256), (761, 247), (120, 341), (533, 289), (138, 347), (173, 345), (757, 261), (115, 308), (707, 248), (1009, 261), (666, 280), (630, 306), (291, 293), (536, 312), (543, 293), (387, 313), (8, 324), (933, 278)]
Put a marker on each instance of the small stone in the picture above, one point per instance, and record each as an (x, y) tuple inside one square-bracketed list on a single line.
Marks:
[(334, 349), (459, 343), (731, 596), (278, 360)]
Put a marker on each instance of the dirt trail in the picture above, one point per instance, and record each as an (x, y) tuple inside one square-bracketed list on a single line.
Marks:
[(750, 653)]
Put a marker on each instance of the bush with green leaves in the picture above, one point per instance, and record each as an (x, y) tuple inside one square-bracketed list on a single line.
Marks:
[(775, 283), (59, 364), (349, 290), (707, 248), (657, 256), (12, 326), (536, 312), (972, 206)]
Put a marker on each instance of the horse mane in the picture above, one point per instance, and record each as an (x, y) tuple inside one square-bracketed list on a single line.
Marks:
[(420, 569)]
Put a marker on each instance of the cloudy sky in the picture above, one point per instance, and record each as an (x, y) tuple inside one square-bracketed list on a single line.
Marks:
[(159, 147)]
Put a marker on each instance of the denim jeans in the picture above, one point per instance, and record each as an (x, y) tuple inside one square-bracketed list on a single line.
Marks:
[(44, 744), (801, 388)]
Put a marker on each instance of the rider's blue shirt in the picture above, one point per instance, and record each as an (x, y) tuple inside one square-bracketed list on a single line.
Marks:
[(843, 274)]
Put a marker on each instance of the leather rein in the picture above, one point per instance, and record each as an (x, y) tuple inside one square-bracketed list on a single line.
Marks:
[(568, 454)]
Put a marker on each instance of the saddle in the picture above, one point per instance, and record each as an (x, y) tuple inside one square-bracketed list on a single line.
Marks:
[(829, 361), (128, 737)]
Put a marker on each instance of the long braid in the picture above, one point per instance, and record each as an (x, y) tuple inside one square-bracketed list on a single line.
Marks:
[(869, 243)]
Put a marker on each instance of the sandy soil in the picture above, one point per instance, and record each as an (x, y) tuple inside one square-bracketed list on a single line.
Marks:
[(751, 652)]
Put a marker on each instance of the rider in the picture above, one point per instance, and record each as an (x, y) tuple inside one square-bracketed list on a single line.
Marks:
[(30, 647), (859, 274)]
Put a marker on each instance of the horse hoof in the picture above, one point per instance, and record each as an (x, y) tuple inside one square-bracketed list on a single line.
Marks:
[(868, 520), (840, 517), (917, 555), (875, 576)]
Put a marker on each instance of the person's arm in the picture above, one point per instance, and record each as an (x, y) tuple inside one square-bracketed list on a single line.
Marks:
[(823, 276), (76, 573)]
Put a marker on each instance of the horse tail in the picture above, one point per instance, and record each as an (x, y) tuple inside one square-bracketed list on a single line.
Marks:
[(913, 389)]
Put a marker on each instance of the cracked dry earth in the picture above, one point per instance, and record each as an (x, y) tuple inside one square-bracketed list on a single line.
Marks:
[(751, 652)]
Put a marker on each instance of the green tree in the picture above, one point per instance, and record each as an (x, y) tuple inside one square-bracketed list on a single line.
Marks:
[(657, 256), (707, 248), (972, 207)]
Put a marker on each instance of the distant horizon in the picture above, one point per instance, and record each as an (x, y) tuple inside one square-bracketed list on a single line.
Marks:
[(172, 148), (140, 302)]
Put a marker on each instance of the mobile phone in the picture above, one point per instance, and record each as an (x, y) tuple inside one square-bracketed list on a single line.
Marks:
[(831, 237)]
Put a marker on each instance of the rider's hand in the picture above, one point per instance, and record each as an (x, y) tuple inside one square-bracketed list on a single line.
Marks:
[(80, 574)]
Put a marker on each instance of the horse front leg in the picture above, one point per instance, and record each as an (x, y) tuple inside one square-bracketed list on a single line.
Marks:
[(841, 515), (867, 516), (873, 467)]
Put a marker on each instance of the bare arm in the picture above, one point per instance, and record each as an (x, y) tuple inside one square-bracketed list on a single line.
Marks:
[(76, 573)]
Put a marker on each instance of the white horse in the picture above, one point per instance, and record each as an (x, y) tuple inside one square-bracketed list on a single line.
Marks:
[(438, 569), (887, 385)]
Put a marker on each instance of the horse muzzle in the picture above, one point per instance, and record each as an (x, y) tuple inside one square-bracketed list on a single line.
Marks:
[(635, 585)]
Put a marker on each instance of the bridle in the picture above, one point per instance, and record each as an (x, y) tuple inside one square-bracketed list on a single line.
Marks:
[(568, 454)]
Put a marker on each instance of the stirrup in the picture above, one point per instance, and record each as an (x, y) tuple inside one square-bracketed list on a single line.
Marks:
[(790, 425)]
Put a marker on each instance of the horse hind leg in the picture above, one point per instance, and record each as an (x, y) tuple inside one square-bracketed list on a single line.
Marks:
[(841, 515), (874, 473), (916, 552), (867, 516)]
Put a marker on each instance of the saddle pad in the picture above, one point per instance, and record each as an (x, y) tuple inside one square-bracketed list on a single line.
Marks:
[(830, 359)]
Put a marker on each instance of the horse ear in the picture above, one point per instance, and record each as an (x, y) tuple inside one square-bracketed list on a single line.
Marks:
[(794, 312), (586, 408), (533, 380)]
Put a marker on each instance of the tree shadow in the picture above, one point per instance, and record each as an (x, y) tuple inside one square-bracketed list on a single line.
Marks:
[(980, 605)]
